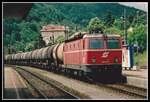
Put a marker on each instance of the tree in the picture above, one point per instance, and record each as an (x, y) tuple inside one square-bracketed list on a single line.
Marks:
[(18, 34), (131, 19), (139, 35), (19, 46), (11, 33), (109, 19), (96, 25), (60, 39), (29, 47), (113, 30), (41, 42)]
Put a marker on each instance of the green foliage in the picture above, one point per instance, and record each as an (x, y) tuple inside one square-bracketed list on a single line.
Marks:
[(24, 35), (60, 39), (138, 36), (96, 25), (141, 58), (29, 47), (109, 19), (27, 32), (11, 34), (19, 46), (113, 30), (40, 42)]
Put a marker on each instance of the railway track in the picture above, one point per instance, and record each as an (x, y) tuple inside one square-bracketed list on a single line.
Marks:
[(43, 87), (143, 67), (127, 89), (122, 88)]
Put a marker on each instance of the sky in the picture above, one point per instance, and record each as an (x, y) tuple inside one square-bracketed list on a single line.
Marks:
[(139, 5)]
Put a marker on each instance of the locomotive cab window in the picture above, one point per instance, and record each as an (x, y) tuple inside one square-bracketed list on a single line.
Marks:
[(96, 43), (113, 44)]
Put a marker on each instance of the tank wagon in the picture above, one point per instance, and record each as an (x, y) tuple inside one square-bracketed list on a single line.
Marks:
[(84, 54)]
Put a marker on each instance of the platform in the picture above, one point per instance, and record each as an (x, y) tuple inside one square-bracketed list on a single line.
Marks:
[(13, 84), (137, 78)]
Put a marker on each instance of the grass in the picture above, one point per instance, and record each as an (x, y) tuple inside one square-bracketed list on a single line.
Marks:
[(141, 59)]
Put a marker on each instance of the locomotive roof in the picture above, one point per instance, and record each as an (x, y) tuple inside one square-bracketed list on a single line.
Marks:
[(90, 35), (99, 35)]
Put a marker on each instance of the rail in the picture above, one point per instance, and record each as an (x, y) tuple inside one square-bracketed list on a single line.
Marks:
[(27, 75)]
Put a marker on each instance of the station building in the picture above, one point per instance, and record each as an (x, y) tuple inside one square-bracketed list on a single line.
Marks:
[(51, 32)]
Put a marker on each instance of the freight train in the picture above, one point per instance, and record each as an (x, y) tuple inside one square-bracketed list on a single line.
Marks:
[(93, 55)]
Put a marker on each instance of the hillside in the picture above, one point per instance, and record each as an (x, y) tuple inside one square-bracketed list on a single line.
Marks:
[(76, 13), (24, 35)]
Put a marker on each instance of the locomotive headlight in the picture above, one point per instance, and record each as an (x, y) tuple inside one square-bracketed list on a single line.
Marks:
[(116, 60), (93, 60)]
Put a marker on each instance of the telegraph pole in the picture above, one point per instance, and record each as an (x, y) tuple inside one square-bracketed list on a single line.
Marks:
[(66, 32), (125, 26)]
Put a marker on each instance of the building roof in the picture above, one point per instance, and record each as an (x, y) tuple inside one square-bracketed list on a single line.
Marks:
[(53, 28)]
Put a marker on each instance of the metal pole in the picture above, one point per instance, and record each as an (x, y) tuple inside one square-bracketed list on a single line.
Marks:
[(125, 27), (66, 32), (137, 53)]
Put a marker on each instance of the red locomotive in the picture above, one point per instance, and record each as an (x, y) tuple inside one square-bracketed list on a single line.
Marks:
[(84, 54), (94, 53)]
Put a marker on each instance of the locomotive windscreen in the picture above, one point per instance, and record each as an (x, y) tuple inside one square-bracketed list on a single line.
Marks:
[(113, 44), (96, 43)]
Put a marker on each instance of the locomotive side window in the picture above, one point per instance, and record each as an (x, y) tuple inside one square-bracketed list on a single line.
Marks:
[(113, 44), (96, 43)]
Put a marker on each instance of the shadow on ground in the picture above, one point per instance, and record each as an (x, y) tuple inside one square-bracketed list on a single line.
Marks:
[(11, 93)]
